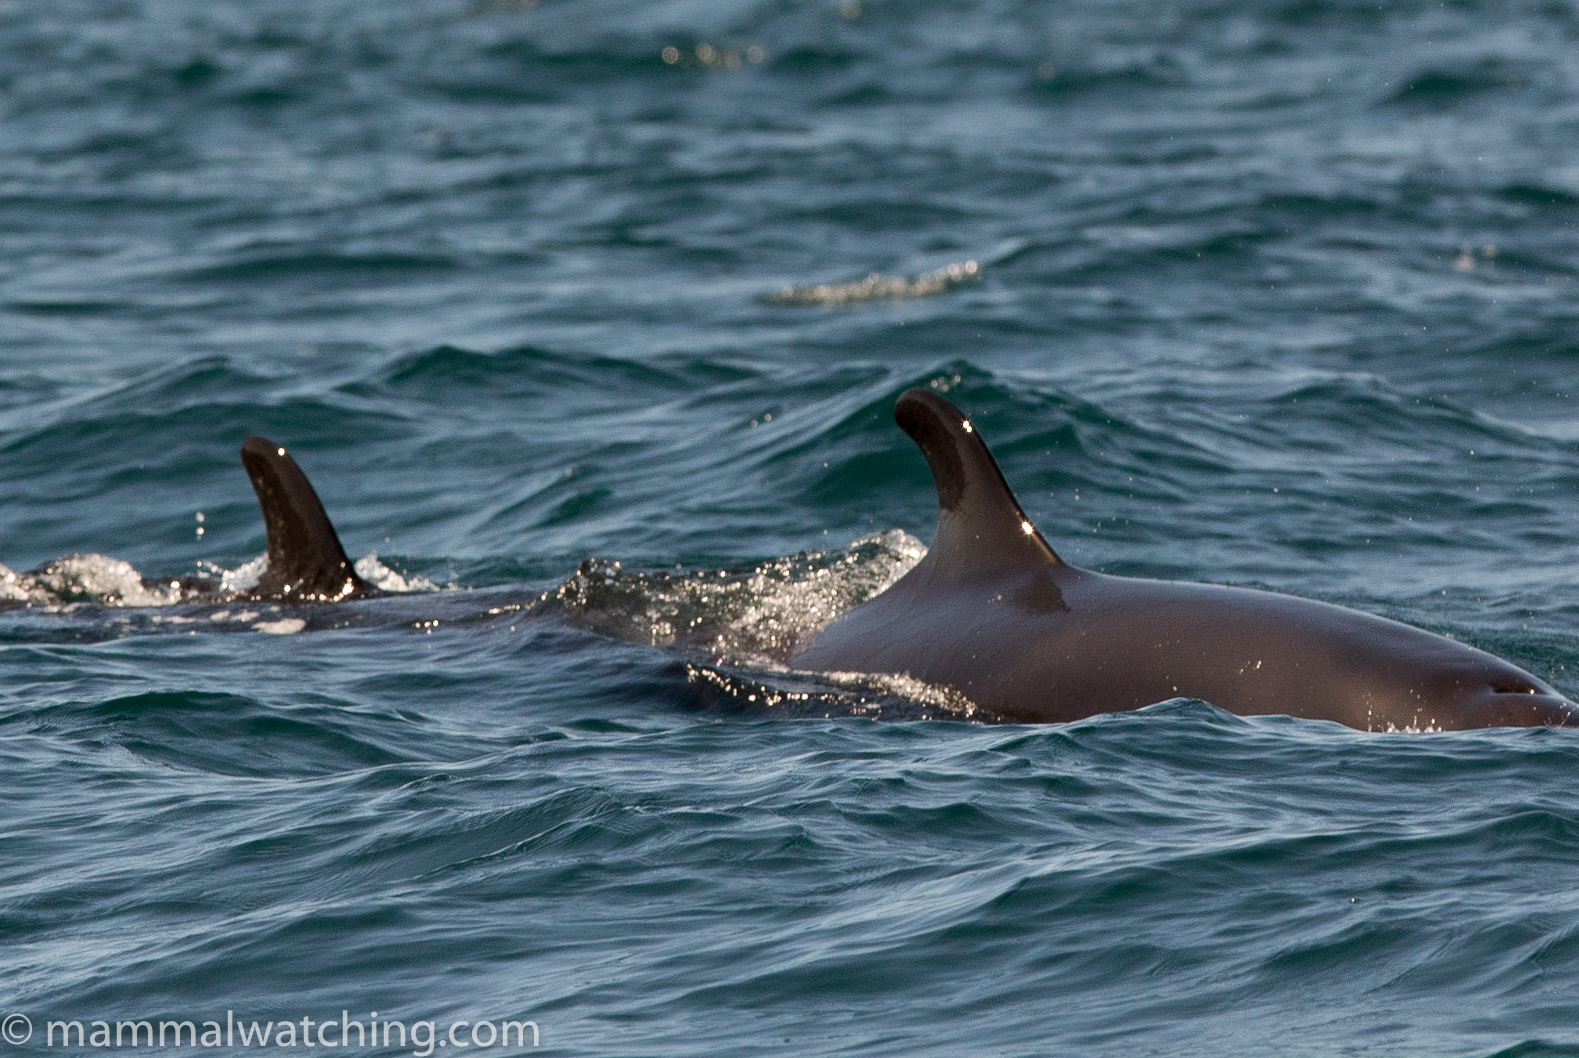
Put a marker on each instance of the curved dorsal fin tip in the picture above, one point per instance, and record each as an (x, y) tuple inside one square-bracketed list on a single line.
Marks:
[(258, 445), (980, 523)]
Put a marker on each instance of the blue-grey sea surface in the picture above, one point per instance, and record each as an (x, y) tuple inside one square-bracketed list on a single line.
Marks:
[(587, 318)]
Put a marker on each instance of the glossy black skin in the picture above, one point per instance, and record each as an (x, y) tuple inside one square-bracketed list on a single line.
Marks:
[(994, 613)]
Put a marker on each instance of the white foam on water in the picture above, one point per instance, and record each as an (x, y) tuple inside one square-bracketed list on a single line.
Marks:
[(879, 287), (380, 576), (756, 616), (244, 577), (98, 579)]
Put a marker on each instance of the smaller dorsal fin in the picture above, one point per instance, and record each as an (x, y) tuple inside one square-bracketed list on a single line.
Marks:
[(306, 561), (981, 528)]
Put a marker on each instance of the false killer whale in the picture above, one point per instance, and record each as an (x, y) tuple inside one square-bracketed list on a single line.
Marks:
[(994, 613)]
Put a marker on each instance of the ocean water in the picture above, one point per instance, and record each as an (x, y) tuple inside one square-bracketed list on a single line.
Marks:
[(587, 318)]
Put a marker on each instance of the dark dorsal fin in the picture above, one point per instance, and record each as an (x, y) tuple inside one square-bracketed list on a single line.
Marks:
[(981, 528), (306, 561)]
